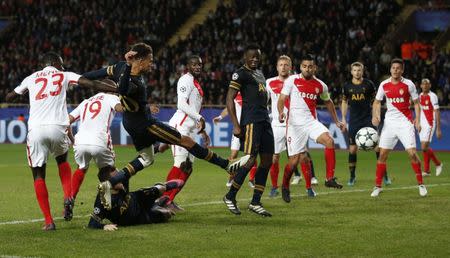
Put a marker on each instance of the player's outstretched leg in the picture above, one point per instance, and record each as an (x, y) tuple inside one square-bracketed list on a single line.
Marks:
[(185, 172)]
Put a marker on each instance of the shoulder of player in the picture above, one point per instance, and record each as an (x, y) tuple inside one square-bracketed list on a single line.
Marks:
[(270, 80), (368, 82), (386, 81), (186, 80), (320, 82)]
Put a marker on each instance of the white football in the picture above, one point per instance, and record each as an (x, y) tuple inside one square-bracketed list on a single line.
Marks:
[(366, 138)]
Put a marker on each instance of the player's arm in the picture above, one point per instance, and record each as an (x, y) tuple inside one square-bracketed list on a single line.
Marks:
[(332, 110), (280, 107), (376, 106), (438, 123), (417, 111), (106, 72), (12, 97), (184, 90), (206, 138), (232, 92), (222, 115), (97, 217), (19, 90), (344, 107), (96, 85)]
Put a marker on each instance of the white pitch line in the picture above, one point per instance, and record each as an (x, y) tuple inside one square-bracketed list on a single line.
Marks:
[(15, 222)]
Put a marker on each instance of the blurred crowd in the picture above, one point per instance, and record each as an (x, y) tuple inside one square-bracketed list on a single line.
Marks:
[(337, 32)]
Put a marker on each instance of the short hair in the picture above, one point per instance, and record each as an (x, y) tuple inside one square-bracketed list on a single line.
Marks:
[(397, 61), (425, 80), (251, 46), (142, 50), (191, 57), (307, 57), (284, 57), (50, 58), (358, 64)]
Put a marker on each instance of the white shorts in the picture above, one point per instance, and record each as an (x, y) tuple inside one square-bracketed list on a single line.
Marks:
[(102, 156), (45, 139), (235, 143), (392, 132), (426, 132), (279, 136), (179, 153), (297, 136)]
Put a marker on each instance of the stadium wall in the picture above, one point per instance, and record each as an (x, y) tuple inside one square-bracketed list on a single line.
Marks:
[(13, 130)]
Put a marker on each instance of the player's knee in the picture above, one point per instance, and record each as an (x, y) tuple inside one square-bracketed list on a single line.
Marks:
[(383, 156), (304, 158), (61, 158), (276, 158), (187, 142), (329, 142), (146, 156), (353, 149)]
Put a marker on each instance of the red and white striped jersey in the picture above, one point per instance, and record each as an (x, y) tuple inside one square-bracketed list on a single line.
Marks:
[(398, 97), (303, 98), (95, 116), (47, 94), (274, 86), (189, 103), (428, 104)]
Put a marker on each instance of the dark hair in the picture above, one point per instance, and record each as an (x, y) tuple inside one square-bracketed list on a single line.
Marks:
[(192, 57), (397, 61), (50, 58), (307, 57), (142, 49), (251, 47)]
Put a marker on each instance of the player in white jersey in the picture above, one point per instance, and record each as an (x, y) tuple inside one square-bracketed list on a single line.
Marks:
[(93, 139), (430, 120), (303, 90), (398, 122), (48, 125), (188, 121)]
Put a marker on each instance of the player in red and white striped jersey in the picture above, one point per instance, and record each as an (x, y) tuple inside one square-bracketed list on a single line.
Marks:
[(48, 126), (93, 139), (398, 122), (430, 120), (188, 121)]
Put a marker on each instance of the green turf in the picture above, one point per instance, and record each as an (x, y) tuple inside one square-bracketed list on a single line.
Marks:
[(345, 222)]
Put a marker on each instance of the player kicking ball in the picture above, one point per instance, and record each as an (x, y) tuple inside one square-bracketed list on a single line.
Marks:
[(398, 123), (430, 120)]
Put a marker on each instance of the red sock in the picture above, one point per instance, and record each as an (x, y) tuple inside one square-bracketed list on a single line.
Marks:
[(65, 176), (306, 170), (182, 176), (287, 176), (426, 162), (42, 196), (274, 172), (381, 170), (416, 168), (330, 159), (77, 180), (433, 157), (251, 177), (174, 173)]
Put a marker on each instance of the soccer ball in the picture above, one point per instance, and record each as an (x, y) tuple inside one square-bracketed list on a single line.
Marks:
[(366, 138)]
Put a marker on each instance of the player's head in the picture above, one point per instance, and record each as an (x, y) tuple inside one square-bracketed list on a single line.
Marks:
[(307, 66), (425, 85), (284, 66), (357, 70), (144, 57), (397, 68), (52, 59), (194, 65), (252, 56)]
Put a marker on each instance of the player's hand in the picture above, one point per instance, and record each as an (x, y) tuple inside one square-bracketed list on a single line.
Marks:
[(439, 133), (282, 117), (206, 139), (110, 227), (130, 57), (154, 109), (341, 126), (344, 123), (217, 119), (237, 131), (417, 124), (201, 125), (375, 121)]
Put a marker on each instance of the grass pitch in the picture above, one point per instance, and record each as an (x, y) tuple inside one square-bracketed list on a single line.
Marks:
[(347, 222)]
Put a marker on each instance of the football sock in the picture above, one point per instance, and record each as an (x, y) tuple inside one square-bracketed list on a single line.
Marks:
[(381, 169), (238, 179), (42, 196), (206, 154), (330, 160), (352, 164), (288, 170), (274, 172), (416, 168), (125, 173), (65, 176), (77, 180), (174, 183), (377, 154), (183, 176), (174, 173), (433, 157), (306, 170), (313, 174), (260, 184), (426, 162), (251, 177)]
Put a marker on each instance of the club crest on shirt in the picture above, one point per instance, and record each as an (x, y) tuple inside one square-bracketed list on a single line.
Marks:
[(183, 89), (235, 76), (426, 102), (401, 91), (96, 211)]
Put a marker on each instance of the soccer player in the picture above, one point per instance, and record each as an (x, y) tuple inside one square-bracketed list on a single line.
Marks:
[(253, 130), (144, 129), (358, 94), (303, 90), (144, 206), (93, 139), (187, 121), (398, 123), (430, 120), (48, 124)]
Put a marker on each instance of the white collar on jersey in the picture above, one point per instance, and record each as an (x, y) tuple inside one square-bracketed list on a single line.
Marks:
[(49, 68)]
